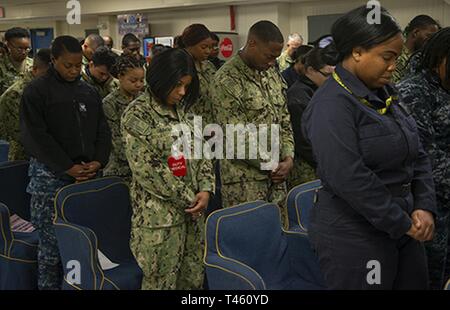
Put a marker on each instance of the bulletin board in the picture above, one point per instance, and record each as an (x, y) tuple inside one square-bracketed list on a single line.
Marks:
[(136, 24)]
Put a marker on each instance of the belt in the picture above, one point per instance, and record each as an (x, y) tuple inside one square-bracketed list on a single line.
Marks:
[(399, 190)]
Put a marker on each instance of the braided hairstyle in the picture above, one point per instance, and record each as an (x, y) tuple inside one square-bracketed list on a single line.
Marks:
[(437, 50), (125, 63)]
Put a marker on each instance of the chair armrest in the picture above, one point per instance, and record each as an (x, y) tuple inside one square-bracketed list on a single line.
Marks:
[(5, 230), (24, 246), (225, 274)]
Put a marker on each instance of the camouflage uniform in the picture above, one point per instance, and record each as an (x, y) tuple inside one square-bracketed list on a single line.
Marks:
[(42, 187), (103, 89), (284, 61), (413, 64), (429, 103), (113, 105), (166, 242), (203, 105), (242, 95), (401, 65), (10, 74), (85, 61), (9, 117)]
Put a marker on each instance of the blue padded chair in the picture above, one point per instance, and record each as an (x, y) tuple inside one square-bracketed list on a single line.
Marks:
[(18, 266), (300, 200), (246, 249), (96, 215), (4, 150), (14, 180), (18, 256)]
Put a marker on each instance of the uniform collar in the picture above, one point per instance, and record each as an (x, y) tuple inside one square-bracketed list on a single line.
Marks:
[(252, 74), (160, 108), (305, 80), (9, 64), (28, 76), (205, 66), (287, 57), (376, 97), (200, 66), (85, 61), (405, 51), (121, 97), (86, 74), (52, 71)]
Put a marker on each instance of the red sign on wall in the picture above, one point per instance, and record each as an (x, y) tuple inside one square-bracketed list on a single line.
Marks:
[(226, 48), (2, 12)]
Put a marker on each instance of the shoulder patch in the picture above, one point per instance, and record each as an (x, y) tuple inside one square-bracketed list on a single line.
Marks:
[(137, 125)]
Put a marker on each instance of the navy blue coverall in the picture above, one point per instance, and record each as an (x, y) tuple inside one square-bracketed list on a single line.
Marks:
[(375, 173)]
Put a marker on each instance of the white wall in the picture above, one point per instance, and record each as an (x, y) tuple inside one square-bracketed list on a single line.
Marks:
[(60, 27), (174, 22), (402, 10), (177, 14), (217, 19)]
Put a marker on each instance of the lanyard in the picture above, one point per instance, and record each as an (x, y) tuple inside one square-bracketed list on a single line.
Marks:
[(363, 100)]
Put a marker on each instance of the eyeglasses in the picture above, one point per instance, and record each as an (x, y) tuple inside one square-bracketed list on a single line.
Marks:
[(20, 49)]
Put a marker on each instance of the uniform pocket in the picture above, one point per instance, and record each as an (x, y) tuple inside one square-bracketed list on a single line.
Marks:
[(372, 130), (377, 144), (255, 107)]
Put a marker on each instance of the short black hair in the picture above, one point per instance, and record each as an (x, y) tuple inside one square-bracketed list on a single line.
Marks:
[(266, 31), (215, 37), (103, 56), (315, 59), (177, 41), (65, 44), (166, 70), (352, 30), (42, 57), (129, 38), (436, 50), (16, 32), (300, 52), (419, 22)]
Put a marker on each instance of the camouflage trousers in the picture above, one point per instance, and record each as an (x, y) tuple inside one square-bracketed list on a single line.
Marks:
[(171, 258), (43, 187), (438, 251), (238, 193)]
